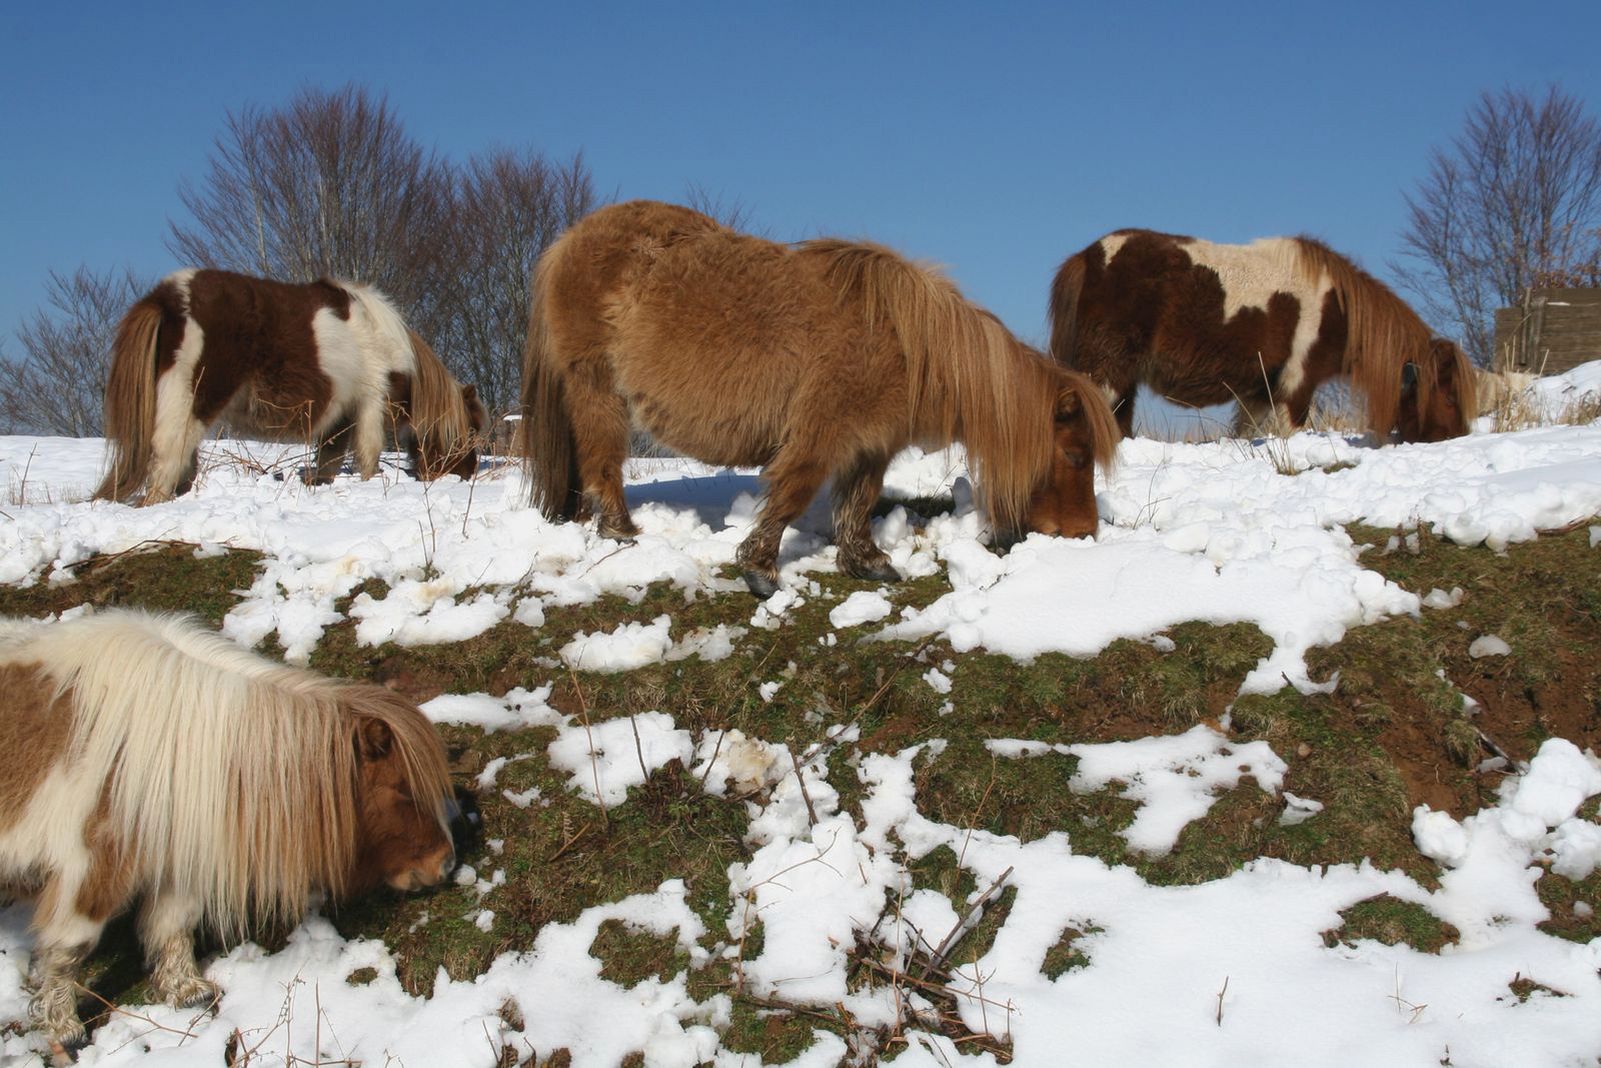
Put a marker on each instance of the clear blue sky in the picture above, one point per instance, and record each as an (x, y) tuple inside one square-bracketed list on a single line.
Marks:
[(993, 138)]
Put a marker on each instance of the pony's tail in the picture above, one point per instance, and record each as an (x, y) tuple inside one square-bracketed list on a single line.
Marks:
[(1065, 290), (130, 414), (550, 454)]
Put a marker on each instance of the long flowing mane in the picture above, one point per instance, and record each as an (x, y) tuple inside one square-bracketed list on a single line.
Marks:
[(968, 378), (1383, 335), (437, 408), (230, 776)]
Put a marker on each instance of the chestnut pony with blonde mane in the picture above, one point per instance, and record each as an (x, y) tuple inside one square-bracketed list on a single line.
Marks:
[(1262, 324), (148, 756), (330, 363), (815, 360)]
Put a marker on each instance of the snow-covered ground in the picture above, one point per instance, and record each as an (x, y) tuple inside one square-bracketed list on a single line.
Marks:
[(1228, 972)]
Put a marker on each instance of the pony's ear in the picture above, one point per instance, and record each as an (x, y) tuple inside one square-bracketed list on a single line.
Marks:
[(1069, 405), (373, 738), (469, 392)]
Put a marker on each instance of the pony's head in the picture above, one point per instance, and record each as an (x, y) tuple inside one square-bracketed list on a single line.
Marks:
[(1084, 436), (404, 799), (1437, 397)]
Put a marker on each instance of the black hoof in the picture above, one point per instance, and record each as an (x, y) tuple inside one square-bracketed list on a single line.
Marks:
[(872, 571), (762, 586)]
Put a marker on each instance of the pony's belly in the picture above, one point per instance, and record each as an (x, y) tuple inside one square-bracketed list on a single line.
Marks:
[(720, 442), (1204, 385)]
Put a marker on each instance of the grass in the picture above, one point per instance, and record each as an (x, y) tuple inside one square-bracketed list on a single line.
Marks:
[(1394, 733)]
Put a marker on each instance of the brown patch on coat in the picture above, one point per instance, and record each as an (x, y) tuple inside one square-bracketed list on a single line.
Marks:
[(113, 869), (33, 731)]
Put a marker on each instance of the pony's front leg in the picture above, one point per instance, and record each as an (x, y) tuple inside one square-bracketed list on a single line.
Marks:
[(166, 930), (369, 436), (54, 1006), (331, 454), (856, 489), (792, 482)]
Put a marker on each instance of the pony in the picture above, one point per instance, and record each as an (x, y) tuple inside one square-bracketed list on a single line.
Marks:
[(329, 362), (1262, 324), (814, 360), (146, 755)]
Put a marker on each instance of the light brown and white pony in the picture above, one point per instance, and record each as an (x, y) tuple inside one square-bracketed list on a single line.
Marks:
[(816, 360), (1262, 324), (147, 756), (326, 362)]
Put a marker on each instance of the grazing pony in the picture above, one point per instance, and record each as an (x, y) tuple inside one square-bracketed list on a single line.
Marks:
[(1262, 324), (819, 359), (325, 362), (148, 756)]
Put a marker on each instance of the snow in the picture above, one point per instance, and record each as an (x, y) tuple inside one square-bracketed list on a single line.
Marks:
[(1232, 971)]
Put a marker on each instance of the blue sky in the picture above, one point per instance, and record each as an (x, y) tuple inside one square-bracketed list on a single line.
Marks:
[(992, 138)]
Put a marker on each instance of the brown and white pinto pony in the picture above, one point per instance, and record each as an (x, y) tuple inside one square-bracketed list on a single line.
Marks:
[(816, 360), (326, 362), (148, 756), (1262, 324)]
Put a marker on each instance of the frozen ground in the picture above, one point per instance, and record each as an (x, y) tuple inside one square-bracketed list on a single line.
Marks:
[(1228, 972)]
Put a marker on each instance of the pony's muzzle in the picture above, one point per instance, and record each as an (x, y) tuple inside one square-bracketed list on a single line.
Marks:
[(427, 871)]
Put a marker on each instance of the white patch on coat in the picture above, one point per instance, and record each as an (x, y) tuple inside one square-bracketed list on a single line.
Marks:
[(177, 432), (1251, 274), (1111, 244)]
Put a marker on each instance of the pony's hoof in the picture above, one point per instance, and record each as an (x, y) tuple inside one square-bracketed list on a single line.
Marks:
[(761, 585), (872, 570), (193, 993), (65, 1044), (623, 532), (63, 1054)]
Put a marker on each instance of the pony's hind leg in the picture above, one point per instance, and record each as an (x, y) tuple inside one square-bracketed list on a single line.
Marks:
[(174, 461), (166, 930), (856, 489), (600, 434)]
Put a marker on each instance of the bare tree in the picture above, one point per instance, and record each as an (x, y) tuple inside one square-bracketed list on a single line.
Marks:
[(1514, 202), (508, 207), (330, 184), (57, 386), (733, 213)]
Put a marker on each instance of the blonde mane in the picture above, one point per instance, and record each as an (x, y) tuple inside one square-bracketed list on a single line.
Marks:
[(968, 378), (1382, 333), (231, 778), (437, 407)]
